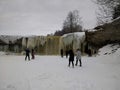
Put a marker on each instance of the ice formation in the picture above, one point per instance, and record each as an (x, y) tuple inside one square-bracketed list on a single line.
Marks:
[(32, 42), (72, 40), (48, 44), (24, 42)]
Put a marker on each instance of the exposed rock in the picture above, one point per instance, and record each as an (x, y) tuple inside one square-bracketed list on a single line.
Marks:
[(105, 34)]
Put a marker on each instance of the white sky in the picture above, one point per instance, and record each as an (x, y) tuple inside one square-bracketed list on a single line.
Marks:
[(42, 17)]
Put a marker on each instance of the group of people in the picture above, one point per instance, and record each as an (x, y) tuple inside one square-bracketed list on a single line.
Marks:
[(71, 57), (70, 53), (27, 51)]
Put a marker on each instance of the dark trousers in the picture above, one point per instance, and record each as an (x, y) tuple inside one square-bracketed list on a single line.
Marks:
[(70, 63), (27, 56), (62, 55), (79, 61), (33, 56)]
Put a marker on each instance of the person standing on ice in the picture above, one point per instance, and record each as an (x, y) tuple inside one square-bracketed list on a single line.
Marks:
[(89, 52), (33, 54), (66, 53), (27, 54), (71, 58), (78, 57), (61, 52)]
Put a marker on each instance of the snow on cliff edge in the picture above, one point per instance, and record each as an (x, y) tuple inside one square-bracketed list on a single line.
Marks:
[(110, 49)]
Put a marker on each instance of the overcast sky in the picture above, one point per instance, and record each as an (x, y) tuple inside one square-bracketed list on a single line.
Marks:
[(42, 17)]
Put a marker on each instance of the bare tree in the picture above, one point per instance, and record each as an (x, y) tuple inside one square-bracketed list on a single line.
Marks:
[(116, 12), (106, 8), (72, 22)]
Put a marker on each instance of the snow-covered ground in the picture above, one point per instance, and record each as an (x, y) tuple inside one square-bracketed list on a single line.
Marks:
[(101, 72)]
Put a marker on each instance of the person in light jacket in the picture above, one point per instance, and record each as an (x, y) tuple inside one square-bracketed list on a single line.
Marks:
[(78, 57)]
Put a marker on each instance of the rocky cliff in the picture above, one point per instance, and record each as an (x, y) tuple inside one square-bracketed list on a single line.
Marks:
[(104, 34)]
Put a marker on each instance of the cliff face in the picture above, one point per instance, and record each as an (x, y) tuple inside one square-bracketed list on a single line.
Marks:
[(104, 34)]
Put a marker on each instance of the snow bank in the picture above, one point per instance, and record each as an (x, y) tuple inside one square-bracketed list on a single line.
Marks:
[(8, 54), (2, 53), (91, 30), (110, 49)]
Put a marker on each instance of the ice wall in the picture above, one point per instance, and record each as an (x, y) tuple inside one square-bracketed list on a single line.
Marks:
[(72, 41), (47, 45), (31, 43), (24, 42), (52, 45), (42, 44)]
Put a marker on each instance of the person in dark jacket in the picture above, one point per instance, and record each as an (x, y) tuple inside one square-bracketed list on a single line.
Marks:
[(61, 52), (66, 52), (71, 58), (27, 54), (33, 54), (89, 52)]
